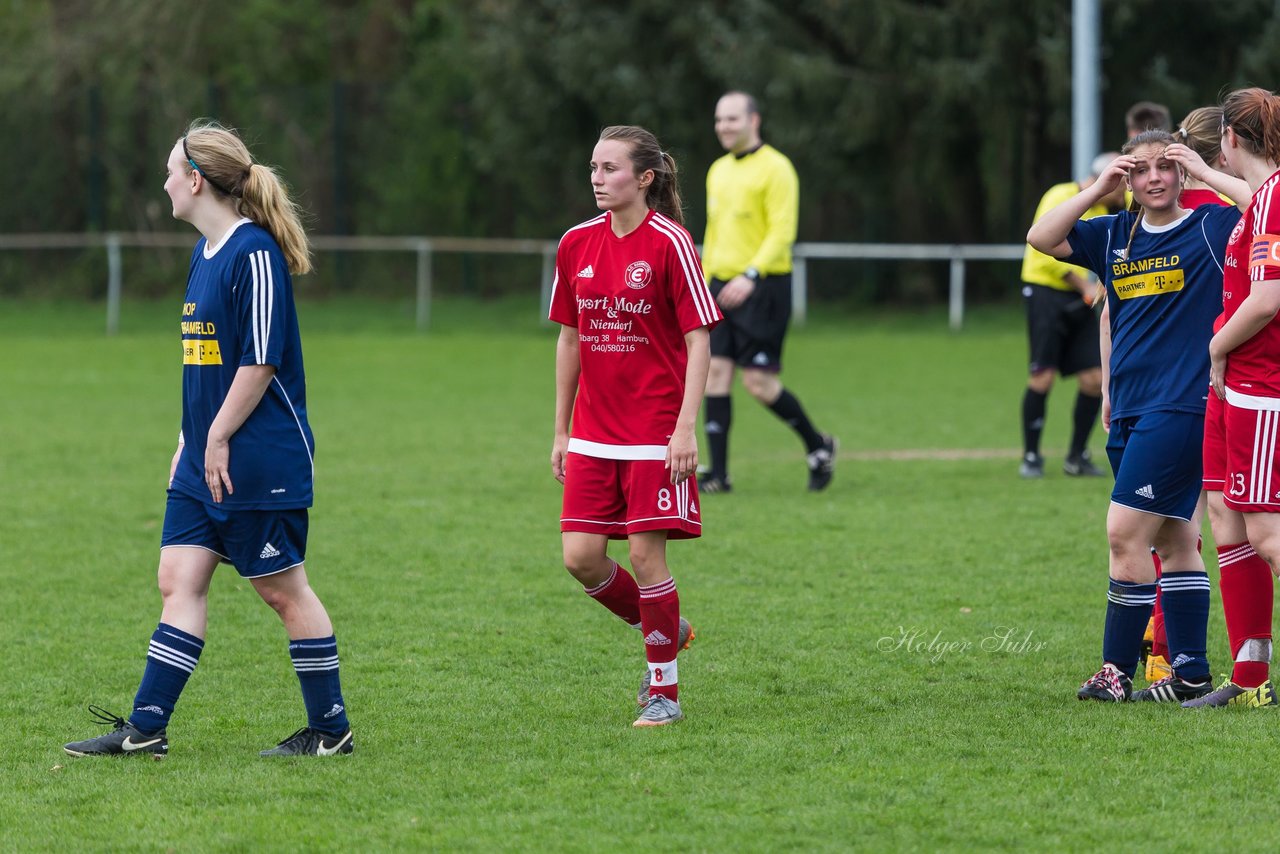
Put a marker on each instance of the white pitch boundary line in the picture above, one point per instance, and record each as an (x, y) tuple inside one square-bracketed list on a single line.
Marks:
[(915, 455)]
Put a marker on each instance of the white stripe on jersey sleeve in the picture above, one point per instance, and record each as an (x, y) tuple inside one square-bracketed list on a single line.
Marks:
[(271, 303), (1266, 195), (688, 255), (257, 280), (692, 267), (263, 303)]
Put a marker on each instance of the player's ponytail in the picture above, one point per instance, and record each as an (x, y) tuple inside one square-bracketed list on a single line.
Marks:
[(1271, 128), (266, 201), (255, 190), (1201, 131), (663, 195)]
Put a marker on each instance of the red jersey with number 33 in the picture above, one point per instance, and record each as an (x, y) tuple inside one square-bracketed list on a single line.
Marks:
[(1253, 255), (632, 300)]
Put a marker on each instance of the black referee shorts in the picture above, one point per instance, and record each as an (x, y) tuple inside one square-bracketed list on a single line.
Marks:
[(753, 333), (1062, 330)]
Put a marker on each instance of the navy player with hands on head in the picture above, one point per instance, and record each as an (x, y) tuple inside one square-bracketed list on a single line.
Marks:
[(241, 479), (1162, 268)]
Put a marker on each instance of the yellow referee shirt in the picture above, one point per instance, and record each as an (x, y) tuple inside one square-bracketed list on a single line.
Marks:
[(1041, 269), (753, 204)]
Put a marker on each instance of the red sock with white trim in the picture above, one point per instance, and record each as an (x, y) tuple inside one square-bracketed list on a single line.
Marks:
[(1247, 590), (660, 623), (619, 594), (1159, 640)]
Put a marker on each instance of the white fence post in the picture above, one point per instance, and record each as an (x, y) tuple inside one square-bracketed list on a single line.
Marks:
[(548, 278), (956, 308), (799, 288), (423, 314), (113, 283)]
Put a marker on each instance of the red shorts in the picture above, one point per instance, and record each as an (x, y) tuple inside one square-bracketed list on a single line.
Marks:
[(622, 497), (1214, 452), (1253, 467)]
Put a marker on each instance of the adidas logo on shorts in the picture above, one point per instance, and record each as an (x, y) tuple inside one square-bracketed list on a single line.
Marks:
[(1146, 492), (269, 551)]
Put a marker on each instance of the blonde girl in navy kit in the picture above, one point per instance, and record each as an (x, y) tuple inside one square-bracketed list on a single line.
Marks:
[(241, 478)]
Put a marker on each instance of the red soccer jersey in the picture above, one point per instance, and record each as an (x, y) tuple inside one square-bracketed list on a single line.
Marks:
[(1195, 198), (632, 300), (1253, 255)]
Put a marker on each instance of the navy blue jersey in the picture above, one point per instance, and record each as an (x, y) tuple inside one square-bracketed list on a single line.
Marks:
[(239, 311), (1163, 298)]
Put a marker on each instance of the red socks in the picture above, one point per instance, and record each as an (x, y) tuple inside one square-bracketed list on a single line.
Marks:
[(1247, 590), (620, 595), (660, 623), (655, 611), (1159, 640)]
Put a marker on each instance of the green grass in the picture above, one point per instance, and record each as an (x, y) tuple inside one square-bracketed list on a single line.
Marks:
[(492, 701)]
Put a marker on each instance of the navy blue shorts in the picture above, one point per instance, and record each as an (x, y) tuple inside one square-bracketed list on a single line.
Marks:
[(255, 542), (1157, 462)]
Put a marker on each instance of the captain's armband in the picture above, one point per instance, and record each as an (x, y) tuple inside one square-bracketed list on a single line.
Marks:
[(1265, 252)]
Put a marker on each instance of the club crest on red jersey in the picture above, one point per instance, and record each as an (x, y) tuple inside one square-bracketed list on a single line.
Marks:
[(1237, 231), (638, 274)]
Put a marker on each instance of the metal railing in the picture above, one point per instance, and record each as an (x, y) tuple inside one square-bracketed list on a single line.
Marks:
[(425, 248)]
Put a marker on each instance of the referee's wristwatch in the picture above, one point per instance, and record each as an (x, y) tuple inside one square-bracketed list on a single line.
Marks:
[(753, 274)]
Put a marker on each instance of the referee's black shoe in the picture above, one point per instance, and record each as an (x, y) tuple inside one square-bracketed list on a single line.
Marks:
[(123, 739), (312, 742), (1081, 466), (822, 463), (1032, 467), (711, 485)]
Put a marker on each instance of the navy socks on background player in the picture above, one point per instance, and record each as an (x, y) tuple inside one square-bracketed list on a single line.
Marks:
[(1033, 409), (1128, 609), (718, 420), (171, 659), (316, 662), (792, 413), (1084, 417)]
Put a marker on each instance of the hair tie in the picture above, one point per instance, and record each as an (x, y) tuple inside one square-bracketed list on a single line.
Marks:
[(203, 173)]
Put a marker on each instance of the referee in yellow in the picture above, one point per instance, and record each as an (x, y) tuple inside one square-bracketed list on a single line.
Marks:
[(753, 203)]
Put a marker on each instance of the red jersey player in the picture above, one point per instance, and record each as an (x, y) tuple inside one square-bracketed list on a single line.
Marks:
[(1240, 454), (631, 366)]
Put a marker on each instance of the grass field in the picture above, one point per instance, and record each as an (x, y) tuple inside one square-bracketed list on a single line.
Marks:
[(889, 665)]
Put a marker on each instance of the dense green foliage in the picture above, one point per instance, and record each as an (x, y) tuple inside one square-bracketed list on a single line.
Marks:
[(492, 700), (908, 121)]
